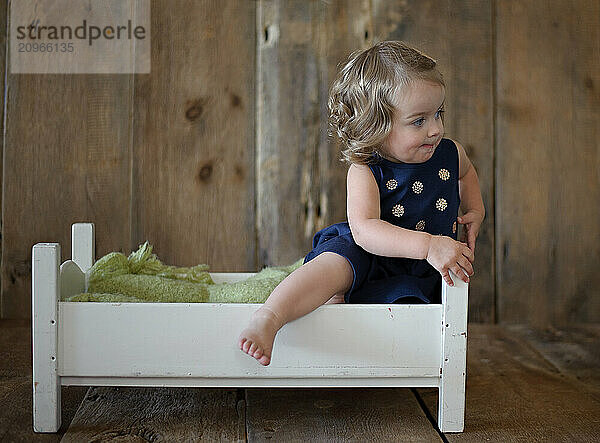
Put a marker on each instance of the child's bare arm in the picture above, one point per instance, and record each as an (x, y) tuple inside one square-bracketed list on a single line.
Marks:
[(369, 231), (382, 238), (470, 198)]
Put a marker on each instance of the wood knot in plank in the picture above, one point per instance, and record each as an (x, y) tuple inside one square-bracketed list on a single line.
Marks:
[(239, 172), (20, 270), (195, 109), (235, 100), (205, 172)]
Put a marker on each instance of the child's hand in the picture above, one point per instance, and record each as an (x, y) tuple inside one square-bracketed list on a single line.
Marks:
[(472, 221), (446, 254)]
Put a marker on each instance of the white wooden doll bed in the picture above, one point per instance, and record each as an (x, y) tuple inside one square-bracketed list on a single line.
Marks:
[(195, 344)]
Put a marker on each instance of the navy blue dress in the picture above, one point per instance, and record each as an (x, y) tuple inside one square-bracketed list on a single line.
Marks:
[(418, 196)]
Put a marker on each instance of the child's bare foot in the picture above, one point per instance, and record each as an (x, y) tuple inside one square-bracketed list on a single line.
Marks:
[(257, 339)]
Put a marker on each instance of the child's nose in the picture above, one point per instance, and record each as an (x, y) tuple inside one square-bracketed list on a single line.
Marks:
[(434, 128)]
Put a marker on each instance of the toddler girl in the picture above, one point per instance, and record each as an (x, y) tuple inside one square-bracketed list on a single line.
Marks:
[(404, 186)]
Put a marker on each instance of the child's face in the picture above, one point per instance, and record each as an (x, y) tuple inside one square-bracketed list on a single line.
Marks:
[(417, 127)]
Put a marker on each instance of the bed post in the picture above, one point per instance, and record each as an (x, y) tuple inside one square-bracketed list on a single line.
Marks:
[(453, 367), (45, 290), (83, 246)]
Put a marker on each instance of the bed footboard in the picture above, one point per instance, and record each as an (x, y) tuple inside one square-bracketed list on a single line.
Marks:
[(45, 283), (453, 364), (49, 281), (194, 344)]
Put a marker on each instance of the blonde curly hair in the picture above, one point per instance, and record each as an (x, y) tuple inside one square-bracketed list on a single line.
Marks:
[(361, 99)]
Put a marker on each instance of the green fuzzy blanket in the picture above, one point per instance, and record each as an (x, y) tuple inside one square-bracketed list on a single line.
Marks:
[(142, 277)]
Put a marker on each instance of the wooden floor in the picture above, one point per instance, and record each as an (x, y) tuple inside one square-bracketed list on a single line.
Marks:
[(522, 385)]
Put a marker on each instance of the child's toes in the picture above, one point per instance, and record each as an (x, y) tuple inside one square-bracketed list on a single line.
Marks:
[(252, 349), (258, 353), (264, 360), (241, 342), (246, 346)]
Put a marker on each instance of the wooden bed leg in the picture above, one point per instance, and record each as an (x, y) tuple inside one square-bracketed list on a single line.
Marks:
[(45, 290), (451, 400), (83, 245)]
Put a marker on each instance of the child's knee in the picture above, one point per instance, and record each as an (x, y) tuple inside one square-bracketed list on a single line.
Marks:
[(339, 266), (336, 299)]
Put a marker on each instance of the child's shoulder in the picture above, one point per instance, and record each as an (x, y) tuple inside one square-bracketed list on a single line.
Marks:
[(360, 170)]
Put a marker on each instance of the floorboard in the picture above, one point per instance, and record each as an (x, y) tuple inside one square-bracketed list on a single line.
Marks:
[(514, 394), (16, 397), (158, 414), (574, 351), (376, 414)]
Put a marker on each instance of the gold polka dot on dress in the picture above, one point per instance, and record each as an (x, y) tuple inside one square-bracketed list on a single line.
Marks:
[(444, 174), (398, 210), (417, 187), (441, 204), (421, 225), (454, 228), (391, 184)]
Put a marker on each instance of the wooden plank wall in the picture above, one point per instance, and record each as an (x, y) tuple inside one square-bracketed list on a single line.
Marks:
[(193, 182), (220, 155), (548, 163)]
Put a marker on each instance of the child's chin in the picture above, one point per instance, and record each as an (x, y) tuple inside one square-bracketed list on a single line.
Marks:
[(427, 153)]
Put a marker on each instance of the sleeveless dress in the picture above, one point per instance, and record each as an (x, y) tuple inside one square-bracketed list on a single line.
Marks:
[(418, 196)]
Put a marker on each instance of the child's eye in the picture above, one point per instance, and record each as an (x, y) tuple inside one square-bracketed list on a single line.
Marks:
[(419, 122), (439, 113)]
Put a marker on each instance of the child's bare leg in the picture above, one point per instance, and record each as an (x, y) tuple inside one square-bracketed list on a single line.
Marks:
[(336, 299), (301, 292)]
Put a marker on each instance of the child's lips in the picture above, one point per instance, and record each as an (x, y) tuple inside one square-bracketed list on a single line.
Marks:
[(429, 145)]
